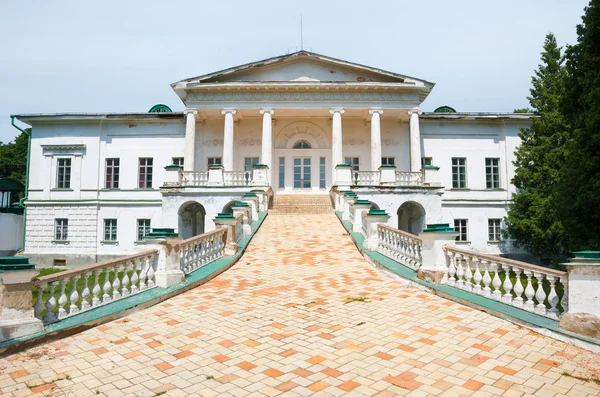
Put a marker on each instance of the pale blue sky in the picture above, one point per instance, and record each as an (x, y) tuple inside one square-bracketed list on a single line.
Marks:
[(121, 56)]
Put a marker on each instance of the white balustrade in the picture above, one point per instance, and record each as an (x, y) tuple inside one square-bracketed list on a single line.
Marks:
[(239, 227), (351, 215), (529, 287), (194, 178), (74, 291), (400, 246), (237, 178), (366, 178), (364, 229), (200, 250), (405, 178)]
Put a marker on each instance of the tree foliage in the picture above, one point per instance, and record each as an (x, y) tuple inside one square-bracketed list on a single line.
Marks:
[(532, 220), (13, 158), (579, 192)]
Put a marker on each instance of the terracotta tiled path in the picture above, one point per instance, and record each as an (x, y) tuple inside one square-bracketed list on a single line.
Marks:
[(283, 321)]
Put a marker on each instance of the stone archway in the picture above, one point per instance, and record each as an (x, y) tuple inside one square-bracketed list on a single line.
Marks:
[(411, 217), (304, 131), (191, 219)]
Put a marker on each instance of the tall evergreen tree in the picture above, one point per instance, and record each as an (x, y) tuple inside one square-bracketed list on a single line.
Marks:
[(579, 192), (13, 158), (532, 222)]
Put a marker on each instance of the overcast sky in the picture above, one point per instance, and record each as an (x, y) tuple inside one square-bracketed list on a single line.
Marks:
[(121, 56)]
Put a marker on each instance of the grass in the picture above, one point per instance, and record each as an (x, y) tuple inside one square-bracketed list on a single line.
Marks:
[(595, 380), (361, 323), (351, 299), (209, 377)]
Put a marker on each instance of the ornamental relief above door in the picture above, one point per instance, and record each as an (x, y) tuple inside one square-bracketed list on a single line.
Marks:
[(302, 131)]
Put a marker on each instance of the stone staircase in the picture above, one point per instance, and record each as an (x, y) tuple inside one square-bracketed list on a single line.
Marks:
[(301, 204)]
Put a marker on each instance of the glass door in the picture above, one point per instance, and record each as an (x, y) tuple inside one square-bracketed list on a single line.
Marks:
[(302, 173)]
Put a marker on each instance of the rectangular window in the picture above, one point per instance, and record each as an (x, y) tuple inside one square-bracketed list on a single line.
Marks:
[(354, 162), (460, 226), (63, 174), (214, 160), (282, 172), (249, 162), (177, 161), (459, 172), (322, 180), (143, 228), (388, 161), (494, 233), (426, 161), (492, 173), (110, 230), (112, 174), (145, 173), (61, 229)]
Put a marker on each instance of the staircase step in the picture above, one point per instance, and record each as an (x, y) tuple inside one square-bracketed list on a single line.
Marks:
[(301, 204)]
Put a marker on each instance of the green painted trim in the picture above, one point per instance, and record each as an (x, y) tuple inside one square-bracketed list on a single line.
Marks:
[(587, 254), (172, 167), (431, 167), (12, 210), (160, 108), (387, 166), (94, 317), (26, 195), (249, 195), (439, 228), (444, 109), (362, 202), (161, 232), (343, 166), (259, 166), (458, 295), (373, 212), (223, 216), (240, 204), (94, 201)]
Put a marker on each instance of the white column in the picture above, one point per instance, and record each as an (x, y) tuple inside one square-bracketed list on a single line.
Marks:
[(266, 156), (375, 138), (415, 140), (228, 139), (337, 154), (189, 155)]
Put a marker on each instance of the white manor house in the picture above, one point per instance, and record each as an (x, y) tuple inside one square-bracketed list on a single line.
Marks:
[(298, 124)]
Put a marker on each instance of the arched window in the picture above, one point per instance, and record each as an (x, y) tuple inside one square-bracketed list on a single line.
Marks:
[(302, 145)]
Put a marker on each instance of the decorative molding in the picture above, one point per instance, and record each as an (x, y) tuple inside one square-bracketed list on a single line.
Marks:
[(214, 142), (353, 142), (416, 111), (372, 111), (75, 149), (297, 95), (391, 142), (267, 111), (190, 111), (250, 142)]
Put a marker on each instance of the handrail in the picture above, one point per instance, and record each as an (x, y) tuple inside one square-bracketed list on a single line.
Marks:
[(407, 234), (199, 237), (400, 246)]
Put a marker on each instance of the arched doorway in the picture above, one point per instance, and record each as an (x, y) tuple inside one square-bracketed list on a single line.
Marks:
[(229, 207), (411, 217), (191, 219)]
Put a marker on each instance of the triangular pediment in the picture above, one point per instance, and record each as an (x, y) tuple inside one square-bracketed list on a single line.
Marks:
[(304, 66)]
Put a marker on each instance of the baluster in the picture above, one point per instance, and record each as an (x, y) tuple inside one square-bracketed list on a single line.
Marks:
[(564, 301), (151, 281), (107, 286), (487, 291), (540, 294), (552, 297), (518, 289), (529, 291), (468, 275), (508, 285), (451, 268), (497, 283), (74, 297), (125, 280), (62, 299), (96, 288), (38, 307), (134, 276), (477, 276), (116, 284), (50, 317), (85, 292)]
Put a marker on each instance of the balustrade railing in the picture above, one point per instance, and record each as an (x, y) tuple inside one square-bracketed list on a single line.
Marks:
[(200, 250), (64, 294), (351, 215), (400, 246), (194, 178), (237, 178), (364, 230), (239, 227), (405, 178), (366, 178), (533, 288)]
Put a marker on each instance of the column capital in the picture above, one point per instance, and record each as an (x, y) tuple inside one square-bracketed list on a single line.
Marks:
[(267, 110), (336, 110), (190, 111), (225, 111), (375, 110), (416, 111)]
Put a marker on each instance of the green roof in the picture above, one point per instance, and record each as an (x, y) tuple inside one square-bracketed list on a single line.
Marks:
[(11, 185), (160, 108)]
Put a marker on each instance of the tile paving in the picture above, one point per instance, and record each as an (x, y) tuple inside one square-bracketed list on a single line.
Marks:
[(289, 319)]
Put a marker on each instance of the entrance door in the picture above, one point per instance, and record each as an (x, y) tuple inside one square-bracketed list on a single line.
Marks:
[(302, 173)]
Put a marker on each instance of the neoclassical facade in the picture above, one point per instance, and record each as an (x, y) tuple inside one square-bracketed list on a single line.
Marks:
[(99, 182)]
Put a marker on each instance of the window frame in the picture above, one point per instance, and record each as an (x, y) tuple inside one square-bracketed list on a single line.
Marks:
[(322, 173), (114, 182), (458, 168), (143, 228), (425, 160), (353, 163), (494, 230), (462, 230), (63, 182), (146, 183), (303, 145), (178, 161), (385, 160), (61, 229), (209, 164), (248, 165), (110, 230), (491, 175)]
